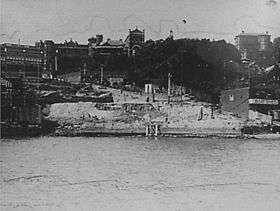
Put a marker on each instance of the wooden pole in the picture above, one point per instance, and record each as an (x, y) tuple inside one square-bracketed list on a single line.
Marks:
[(38, 69), (101, 75), (169, 87)]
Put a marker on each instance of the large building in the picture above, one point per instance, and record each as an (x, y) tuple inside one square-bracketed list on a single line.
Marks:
[(97, 46), (57, 54), (134, 41), (20, 60), (254, 46)]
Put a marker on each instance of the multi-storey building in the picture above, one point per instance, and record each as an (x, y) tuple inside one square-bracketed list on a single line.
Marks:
[(97, 46), (71, 49), (19, 60), (58, 53), (254, 46), (134, 41)]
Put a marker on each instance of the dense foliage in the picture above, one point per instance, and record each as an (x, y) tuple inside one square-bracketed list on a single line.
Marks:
[(276, 49)]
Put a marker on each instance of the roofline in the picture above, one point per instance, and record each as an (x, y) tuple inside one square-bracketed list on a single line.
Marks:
[(252, 34), (236, 89), (14, 45)]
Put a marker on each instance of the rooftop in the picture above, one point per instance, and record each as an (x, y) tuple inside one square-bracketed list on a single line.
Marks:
[(253, 34), (17, 45), (136, 30), (113, 43)]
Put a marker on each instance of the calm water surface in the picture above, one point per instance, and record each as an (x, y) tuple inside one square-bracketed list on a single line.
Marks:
[(56, 173)]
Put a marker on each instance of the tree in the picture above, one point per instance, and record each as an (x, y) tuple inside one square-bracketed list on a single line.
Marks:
[(197, 64), (276, 49)]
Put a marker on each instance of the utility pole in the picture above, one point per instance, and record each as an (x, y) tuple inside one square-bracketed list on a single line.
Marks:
[(181, 94), (248, 63), (182, 76), (38, 72), (169, 87), (249, 76), (101, 74), (24, 62), (6, 65), (249, 69), (84, 72), (55, 61)]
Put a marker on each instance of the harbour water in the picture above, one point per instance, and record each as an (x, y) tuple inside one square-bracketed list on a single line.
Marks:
[(57, 173)]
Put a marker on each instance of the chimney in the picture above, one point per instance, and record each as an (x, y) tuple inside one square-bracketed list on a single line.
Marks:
[(171, 33), (99, 39)]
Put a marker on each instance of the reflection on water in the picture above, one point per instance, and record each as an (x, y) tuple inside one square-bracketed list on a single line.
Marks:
[(140, 174)]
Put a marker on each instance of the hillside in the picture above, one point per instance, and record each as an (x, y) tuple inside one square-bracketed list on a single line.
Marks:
[(197, 64)]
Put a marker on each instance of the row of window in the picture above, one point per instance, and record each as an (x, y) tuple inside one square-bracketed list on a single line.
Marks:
[(18, 52), (21, 59), (9, 62)]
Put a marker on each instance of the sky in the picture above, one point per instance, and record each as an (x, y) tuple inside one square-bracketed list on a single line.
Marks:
[(59, 20)]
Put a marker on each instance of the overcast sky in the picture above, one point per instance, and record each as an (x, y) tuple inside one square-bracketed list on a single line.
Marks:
[(32, 20)]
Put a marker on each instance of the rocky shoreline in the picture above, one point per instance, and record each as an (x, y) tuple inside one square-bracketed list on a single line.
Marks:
[(191, 120), (165, 133)]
